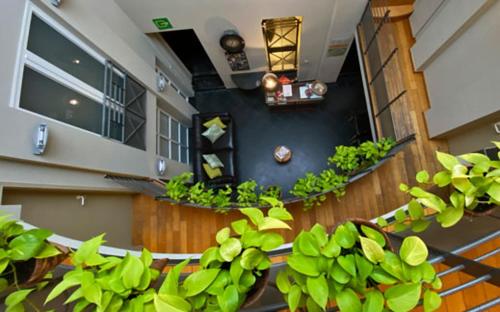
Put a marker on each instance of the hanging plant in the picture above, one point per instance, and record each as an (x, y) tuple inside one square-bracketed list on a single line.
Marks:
[(109, 283), (350, 266), (234, 273), (473, 180), (26, 259)]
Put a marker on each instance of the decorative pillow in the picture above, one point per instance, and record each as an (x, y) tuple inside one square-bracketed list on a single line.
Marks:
[(212, 173), (213, 133), (215, 121), (213, 161)]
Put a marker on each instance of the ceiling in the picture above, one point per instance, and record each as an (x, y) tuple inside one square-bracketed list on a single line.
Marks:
[(324, 22)]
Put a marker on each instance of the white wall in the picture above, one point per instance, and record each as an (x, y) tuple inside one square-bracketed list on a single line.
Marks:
[(103, 25), (323, 21), (458, 47)]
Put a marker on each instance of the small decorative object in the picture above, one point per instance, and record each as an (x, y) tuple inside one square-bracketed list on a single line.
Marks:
[(282, 154), (309, 92), (319, 88), (161, 166), (270, 82), (284, 80), (56, 3), (41, 137), (234, 44), (231, 42), (161, 82)]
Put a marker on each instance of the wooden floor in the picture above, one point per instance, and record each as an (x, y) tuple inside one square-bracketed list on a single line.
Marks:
[(163, 227)]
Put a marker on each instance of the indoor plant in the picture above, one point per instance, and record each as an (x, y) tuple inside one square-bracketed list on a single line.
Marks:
[(26, 258), (372, 152), (177, 188), (109, 283), (473, 180), (346, 158), (312, 189), (198, 194), (273, 191), (351, 267), (246, 193), (233, 273)]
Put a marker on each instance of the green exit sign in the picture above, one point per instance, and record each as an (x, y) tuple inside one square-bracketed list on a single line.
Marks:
[(162, 23)]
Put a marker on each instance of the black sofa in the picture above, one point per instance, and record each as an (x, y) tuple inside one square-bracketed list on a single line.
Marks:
[(224, 148)]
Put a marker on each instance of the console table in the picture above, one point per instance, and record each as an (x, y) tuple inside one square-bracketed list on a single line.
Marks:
[(296, 96)]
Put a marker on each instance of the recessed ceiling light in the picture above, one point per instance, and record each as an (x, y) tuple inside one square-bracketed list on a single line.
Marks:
[(74, 102), (76, 61)]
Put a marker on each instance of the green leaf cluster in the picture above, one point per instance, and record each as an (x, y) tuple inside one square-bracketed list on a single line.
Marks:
[(108, 283), (247, 193), (350, 159), (475, 183), (230, 269), (312, 187), (17, 246), (177, 189), (347, 267)]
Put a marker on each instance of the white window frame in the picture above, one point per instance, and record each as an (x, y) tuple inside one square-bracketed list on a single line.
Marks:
[(26, 58), (169, 138)]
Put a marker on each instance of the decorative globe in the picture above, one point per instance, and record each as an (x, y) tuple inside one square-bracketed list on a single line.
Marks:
[(319, 88)]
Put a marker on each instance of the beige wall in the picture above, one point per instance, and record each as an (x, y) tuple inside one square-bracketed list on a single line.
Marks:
[(457, 47), (474, 138), (101, 24), (61, 212)]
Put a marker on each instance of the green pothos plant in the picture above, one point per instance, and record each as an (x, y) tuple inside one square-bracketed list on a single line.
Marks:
[(313, 188), (356, 269), (230, 270), (350, 159), (473, 180), (19, 248), (247, 193), (108, 283), (177, 189)]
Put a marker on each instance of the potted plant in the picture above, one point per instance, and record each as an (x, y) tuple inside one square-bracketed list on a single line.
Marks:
[(306, 188), (246, 193), (234, 273), (26, 258), (177, 189), (313, 188), (109, 283), (372, 152), (198, 194), (346, 158), (273, 191), (356, 268), (473, 180), (222, 199)]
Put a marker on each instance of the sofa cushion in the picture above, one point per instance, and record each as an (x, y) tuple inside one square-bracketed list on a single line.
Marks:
[(228, 171), (214, 121), (213, 160), (226, 141), (213, 133), (212, 173)]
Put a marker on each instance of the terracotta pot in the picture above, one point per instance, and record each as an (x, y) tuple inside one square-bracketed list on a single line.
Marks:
[(159, 264), (486, 211), (257, 290), (34, 270), (359, 222)]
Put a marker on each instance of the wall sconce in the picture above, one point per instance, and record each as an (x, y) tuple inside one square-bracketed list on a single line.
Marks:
[(41, 137), (161, 82), (56, 3), (161, 166), (270, 82)]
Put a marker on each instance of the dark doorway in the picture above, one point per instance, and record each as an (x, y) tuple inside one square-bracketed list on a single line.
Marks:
[(190, 51)]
